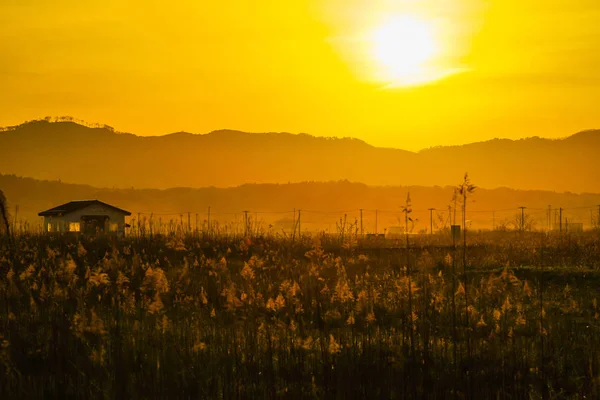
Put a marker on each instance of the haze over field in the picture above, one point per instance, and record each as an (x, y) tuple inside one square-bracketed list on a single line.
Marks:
[(323, 204), (100, 157)]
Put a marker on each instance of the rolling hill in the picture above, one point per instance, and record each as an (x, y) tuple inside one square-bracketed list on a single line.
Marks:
[(101, 157)]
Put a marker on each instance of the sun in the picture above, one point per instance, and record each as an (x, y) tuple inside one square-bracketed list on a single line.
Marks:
[(403, 48)]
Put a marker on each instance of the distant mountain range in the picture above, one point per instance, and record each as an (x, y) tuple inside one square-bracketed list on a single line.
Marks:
[(102, 157)]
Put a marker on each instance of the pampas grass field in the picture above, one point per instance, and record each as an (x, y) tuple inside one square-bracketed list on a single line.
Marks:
[(186, 316)]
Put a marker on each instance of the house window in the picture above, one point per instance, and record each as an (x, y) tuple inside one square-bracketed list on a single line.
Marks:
[(113, 227), (74, 227), (49, 226)]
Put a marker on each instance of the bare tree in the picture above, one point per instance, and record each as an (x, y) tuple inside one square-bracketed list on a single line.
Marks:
[(464, 190), (407, 210), (523, 222)]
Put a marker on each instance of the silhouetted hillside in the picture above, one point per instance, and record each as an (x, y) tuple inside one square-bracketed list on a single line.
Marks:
[(101, 157), (322, 204)]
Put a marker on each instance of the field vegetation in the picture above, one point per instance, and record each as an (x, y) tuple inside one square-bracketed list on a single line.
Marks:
[(198, 316)]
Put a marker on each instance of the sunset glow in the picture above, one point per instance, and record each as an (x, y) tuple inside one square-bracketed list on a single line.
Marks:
[(324, 67), (378, 199)]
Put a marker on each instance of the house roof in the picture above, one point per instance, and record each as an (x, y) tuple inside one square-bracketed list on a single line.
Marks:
[(75, 206)]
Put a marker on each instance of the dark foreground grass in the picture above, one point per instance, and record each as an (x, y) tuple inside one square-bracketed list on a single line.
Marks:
[(185, 317)]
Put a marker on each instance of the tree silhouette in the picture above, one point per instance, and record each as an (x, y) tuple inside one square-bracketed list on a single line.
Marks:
[(464, 190), (407, 209)]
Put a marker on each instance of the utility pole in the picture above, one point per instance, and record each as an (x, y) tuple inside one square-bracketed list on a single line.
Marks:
[(15, 220), (294, 222), (299, 227), (549, 218), (245, 223), (455, 201), (431, 210), (139, 225), (189, 222), (361, 224), (196, 224), (522, 218), (208, 222), (406, 210), (560, 220)]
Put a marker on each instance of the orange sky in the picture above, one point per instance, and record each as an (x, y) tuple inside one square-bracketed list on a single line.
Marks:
[(501, 68)]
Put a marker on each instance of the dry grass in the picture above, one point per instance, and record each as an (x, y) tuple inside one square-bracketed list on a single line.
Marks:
[(180, 316)]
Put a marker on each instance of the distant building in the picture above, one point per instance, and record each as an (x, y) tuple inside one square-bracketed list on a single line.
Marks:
[(576, 227), (395, 232), (86, 216), (567, 226), (374, 236)]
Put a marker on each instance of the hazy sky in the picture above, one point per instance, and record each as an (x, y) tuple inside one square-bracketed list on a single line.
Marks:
[(404, 73)]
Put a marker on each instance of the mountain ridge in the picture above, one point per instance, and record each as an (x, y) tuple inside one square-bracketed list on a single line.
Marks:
[(103, 157), (216, 132)]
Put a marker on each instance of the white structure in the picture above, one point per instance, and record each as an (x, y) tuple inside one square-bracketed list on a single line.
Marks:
[(395, 232), (86, 216)]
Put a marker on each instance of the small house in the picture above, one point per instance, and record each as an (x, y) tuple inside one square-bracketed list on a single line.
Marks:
[(89, 217)]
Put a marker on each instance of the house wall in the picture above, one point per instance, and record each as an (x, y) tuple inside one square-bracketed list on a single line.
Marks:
[(61, 224), (54, 224)]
